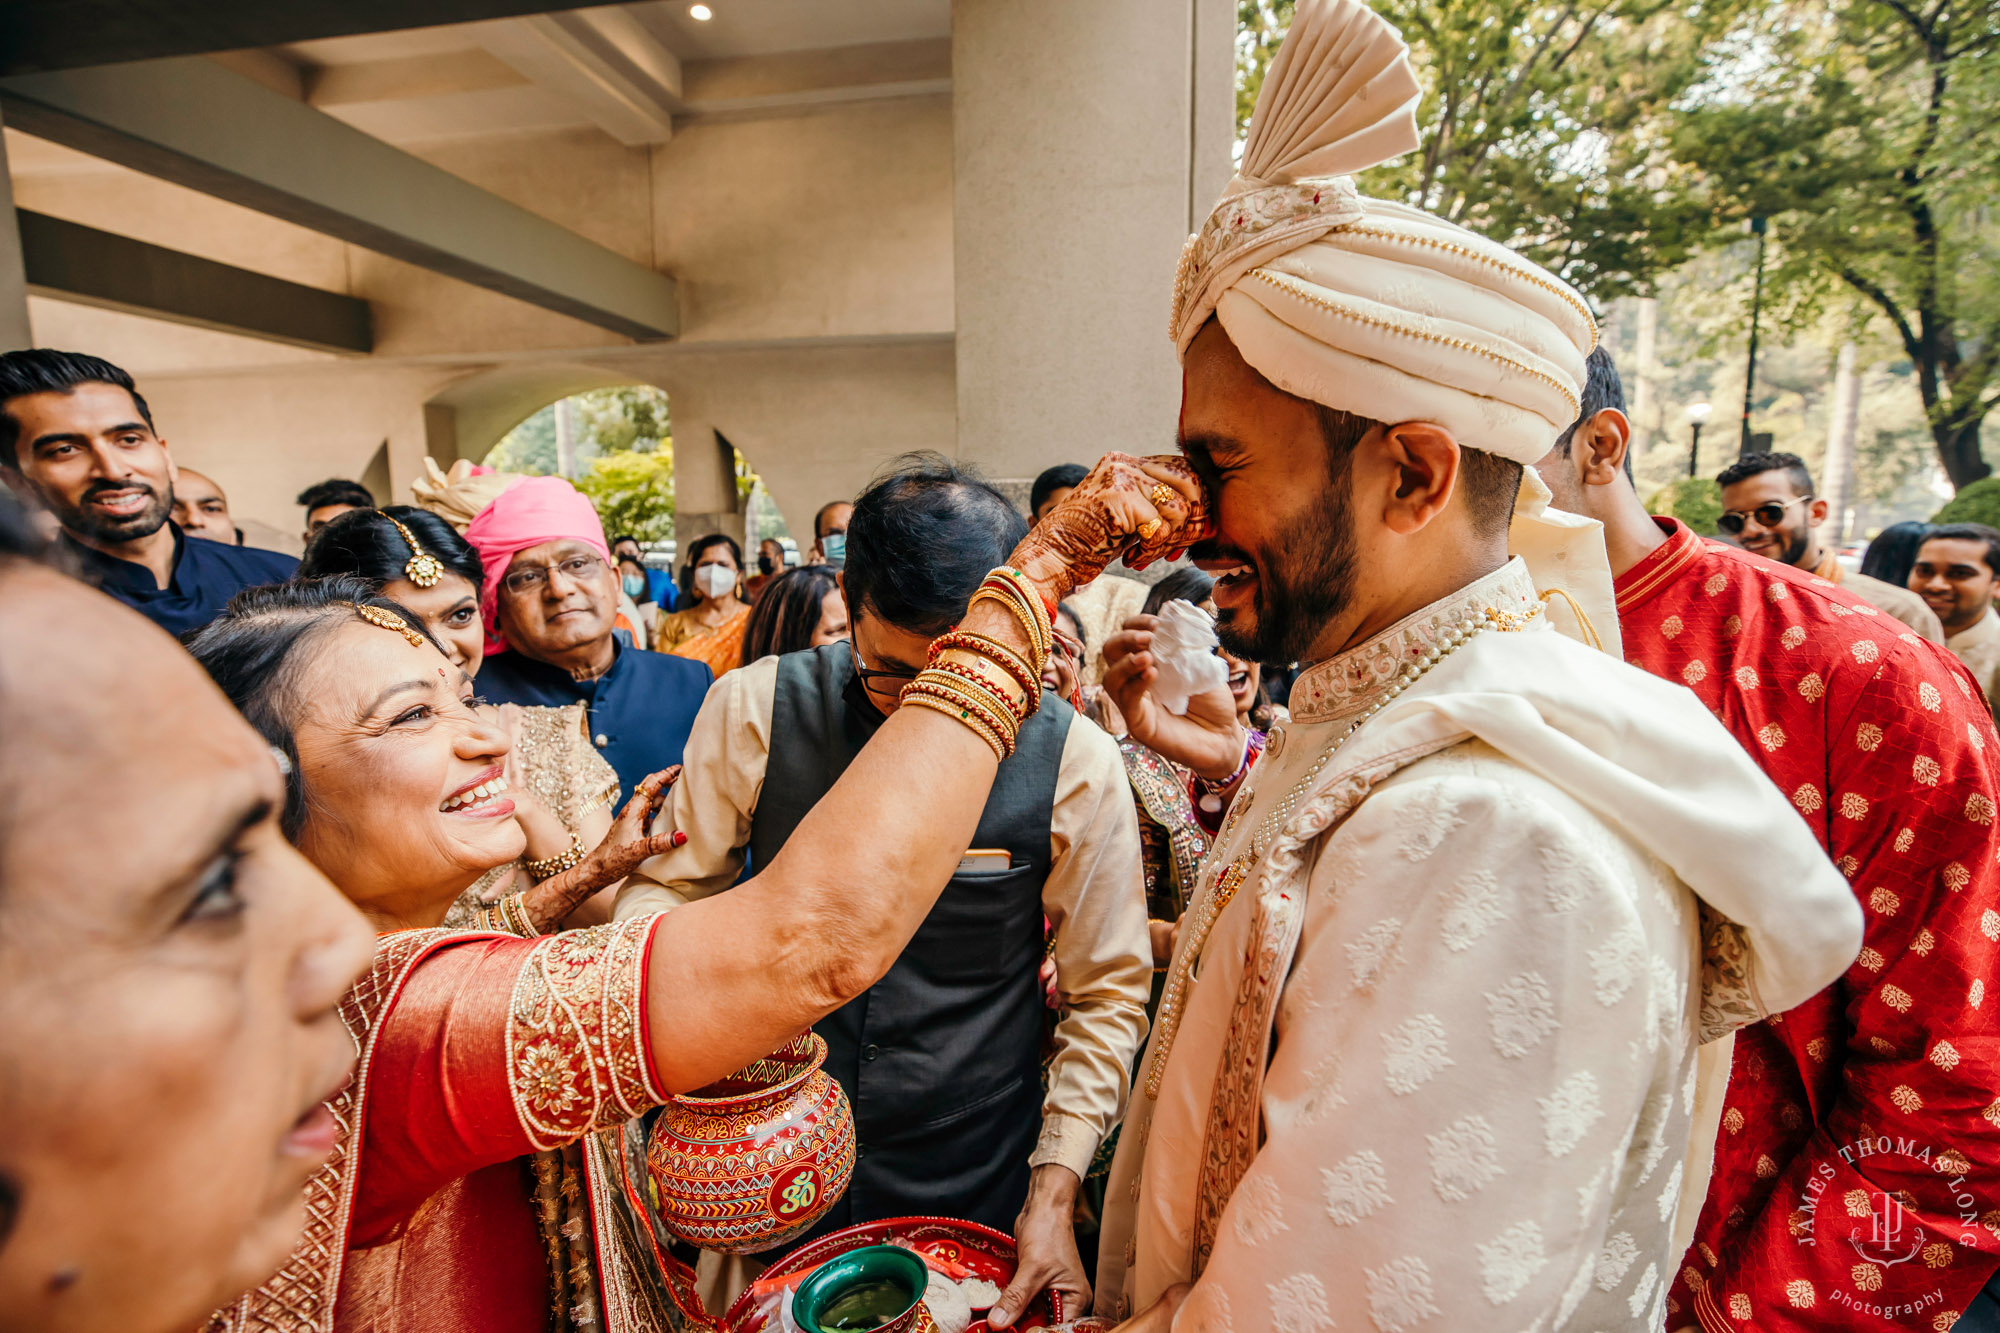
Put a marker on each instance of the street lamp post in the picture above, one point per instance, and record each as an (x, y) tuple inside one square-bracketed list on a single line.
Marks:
[(1696, 414)]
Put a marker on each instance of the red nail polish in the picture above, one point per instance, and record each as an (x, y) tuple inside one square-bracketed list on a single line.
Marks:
[(680, 838)]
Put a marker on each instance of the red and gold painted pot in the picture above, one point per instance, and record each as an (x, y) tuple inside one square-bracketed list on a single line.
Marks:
[(751, 1161)]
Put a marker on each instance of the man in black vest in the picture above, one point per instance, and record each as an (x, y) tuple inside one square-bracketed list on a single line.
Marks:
[(942, 1058)]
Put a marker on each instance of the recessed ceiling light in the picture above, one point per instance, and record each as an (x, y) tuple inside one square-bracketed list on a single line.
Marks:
[(700, 13)]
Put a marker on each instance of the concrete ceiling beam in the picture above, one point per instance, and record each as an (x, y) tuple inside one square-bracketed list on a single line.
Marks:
[(71, 262), (197, 124), (409, 77), (793, 79), (38, 35), (631, 97)]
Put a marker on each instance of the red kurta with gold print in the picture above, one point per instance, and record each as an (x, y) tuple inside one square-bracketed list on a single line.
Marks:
[(1854, 1182)]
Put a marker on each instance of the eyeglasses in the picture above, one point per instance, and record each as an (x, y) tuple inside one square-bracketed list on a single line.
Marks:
[(531, 578), (1768, 515), (897, 676)]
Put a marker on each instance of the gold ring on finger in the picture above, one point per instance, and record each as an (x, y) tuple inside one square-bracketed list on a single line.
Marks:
[(1149, 527), (1160, 494)]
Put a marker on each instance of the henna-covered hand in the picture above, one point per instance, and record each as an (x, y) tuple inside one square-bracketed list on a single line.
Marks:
[(1138, 508), (624, 847)]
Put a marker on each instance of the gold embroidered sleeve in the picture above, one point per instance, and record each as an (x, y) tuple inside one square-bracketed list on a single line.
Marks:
[(577, 1058)]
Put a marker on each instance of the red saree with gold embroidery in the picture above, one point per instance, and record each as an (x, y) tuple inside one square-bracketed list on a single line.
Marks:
[(471, 1188)]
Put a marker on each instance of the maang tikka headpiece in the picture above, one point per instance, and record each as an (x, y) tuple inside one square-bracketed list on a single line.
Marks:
[(384, 618), (423, 568)]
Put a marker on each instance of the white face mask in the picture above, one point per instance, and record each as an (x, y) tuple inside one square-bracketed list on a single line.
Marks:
[(715, 580)]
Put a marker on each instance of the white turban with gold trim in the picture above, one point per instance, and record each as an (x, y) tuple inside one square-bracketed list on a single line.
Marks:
[(1373, 307)]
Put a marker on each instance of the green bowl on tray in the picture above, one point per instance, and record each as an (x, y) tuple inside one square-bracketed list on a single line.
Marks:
[(875, 1289)]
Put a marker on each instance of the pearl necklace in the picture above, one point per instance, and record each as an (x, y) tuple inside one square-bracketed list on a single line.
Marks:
[(1232, 877)]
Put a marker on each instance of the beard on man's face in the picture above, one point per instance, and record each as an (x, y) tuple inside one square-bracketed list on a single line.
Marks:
[(1305, 577), (86, 521)]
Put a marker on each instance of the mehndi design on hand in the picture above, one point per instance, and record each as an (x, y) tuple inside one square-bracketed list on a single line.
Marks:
[(1142, 509)]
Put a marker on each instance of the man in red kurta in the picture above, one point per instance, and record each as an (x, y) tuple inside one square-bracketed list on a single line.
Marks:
[(1853, 1185)]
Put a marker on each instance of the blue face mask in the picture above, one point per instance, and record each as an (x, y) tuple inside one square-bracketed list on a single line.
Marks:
[(834, 547), (635, 586)]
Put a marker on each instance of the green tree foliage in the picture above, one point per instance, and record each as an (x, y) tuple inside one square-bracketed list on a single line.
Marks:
[(1976, 502), (633, 491), (1865, 131), (1539, 124), (1695, 501), (530, 447)]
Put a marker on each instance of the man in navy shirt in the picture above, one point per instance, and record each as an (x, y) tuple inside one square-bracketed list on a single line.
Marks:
[(76, 437), (550, 598)]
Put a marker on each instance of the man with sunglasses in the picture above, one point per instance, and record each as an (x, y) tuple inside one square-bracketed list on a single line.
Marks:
[(1883, 744), (942, 1058), (1769, 507)]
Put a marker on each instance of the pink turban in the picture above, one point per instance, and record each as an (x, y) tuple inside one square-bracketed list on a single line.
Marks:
[(540, 509)]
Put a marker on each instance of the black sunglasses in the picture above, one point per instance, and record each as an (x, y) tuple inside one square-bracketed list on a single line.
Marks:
[(1768, 515), (868, 675)]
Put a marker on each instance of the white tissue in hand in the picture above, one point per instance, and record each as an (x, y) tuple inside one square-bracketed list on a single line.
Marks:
[(1184, 654)]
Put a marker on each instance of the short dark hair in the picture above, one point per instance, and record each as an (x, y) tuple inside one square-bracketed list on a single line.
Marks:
[(45, 370), (1060, 477), (623, 537), (824, 510), (1755, 465), (923, 538), (1602, 389), (695, 548), (335, 491), (1969, 532), (787, 612), (255, 648), (1185, 585), (366, 544)]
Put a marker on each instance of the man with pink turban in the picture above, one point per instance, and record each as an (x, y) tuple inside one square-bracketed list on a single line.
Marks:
[(551, 601)]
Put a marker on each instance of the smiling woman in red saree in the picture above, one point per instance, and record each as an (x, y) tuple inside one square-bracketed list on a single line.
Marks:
[(467, 1188)]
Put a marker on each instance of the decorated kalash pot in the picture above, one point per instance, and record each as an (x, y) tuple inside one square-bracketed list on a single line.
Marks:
[(749, 1162), (876, 1289)]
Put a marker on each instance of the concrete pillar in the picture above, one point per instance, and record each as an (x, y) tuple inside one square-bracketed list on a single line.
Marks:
[(14, 330), (1837, 470), (704, 482), (1087, 138)]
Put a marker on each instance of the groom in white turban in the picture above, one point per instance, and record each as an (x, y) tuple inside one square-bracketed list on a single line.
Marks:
[(1429, 1054)]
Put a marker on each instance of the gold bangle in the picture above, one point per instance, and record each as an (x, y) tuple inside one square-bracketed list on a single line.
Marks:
[(555, 865), (970, 667), (950, 689), (914, 699), (1039, 636)]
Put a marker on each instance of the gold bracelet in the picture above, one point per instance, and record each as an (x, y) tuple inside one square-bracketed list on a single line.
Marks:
[(1027, 602), (915, 699), (555, 865), (968, 667), (951, 689), (1039, 640)]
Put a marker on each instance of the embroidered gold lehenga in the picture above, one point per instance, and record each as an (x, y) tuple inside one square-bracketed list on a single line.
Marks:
[(473, 1186)]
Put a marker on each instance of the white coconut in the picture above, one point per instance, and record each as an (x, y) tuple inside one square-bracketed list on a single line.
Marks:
[(948, 1306), (980, 1293)]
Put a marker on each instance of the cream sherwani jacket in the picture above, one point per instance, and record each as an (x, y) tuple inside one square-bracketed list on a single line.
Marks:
[(1428, 1057)]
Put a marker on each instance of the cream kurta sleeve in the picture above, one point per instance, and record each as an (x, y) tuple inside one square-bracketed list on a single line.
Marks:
[(1476, 1105), (722, 776), (1095, 898)]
